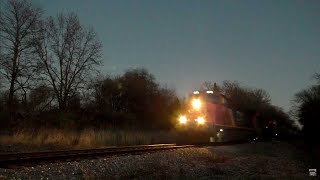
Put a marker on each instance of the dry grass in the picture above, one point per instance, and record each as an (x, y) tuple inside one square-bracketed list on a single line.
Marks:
[(87, 138), (53, 139)]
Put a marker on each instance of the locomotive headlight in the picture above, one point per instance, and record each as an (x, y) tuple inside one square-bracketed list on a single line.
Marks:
[(200, 120), (196, 104), (183, 119)]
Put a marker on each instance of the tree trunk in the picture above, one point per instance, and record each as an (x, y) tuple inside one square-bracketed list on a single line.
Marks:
[(12, 81), (62, 105), (11, 103)]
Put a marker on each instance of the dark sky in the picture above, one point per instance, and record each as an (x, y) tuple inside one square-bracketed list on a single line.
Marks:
[(273, 45)]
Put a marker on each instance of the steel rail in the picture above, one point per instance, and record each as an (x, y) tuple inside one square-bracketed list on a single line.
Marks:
[(71, 151), (17, 159), (13, 160)]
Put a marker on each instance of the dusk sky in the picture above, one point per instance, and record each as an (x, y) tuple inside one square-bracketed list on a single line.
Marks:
[(273, 45)]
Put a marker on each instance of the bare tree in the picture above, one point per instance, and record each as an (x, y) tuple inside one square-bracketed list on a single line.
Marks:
[(316, 77), (17, 22), (209, 86), (41, 98), (69, 54)]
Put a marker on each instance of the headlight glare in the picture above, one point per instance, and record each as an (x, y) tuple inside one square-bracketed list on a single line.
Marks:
[(200, 120), (196, 104), (183, 119)]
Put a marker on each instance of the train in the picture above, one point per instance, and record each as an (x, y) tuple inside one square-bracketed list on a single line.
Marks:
[(210, 110), (207, 108)]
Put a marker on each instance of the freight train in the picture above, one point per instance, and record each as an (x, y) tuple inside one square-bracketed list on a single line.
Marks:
[(210, 110)]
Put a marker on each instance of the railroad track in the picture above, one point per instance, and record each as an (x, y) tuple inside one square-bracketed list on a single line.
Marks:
[(11, 160)]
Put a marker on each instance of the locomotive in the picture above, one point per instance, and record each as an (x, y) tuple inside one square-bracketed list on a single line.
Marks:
[(207, 108), (210, 110)]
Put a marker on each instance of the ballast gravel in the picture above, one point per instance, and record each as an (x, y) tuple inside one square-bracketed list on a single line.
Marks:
[(244, 161)]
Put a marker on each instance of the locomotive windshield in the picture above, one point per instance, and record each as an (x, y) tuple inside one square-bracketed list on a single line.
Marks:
[(209, 96)]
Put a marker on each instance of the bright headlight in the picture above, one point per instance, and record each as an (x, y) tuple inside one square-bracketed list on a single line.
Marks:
[(183, 119), (196, 104), (200, 120)]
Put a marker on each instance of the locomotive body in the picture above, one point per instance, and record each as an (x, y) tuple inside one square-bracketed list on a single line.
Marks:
[(207, 108)]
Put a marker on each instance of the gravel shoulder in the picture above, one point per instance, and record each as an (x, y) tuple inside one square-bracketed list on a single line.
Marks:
[(244, 161)]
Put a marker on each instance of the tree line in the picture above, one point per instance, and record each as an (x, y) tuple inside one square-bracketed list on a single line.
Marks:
[(306, 109), (49, 77), (255, 107)]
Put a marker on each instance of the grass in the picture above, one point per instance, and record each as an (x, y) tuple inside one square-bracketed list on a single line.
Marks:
[(87, 138), (51, 139)]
